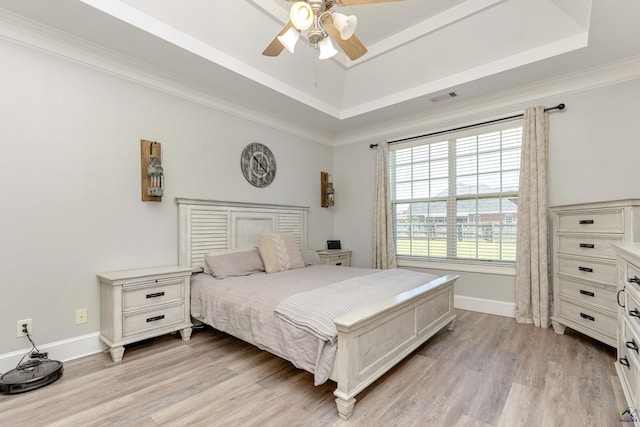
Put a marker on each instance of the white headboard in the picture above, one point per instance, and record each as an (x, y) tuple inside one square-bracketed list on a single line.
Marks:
[(204, 225)]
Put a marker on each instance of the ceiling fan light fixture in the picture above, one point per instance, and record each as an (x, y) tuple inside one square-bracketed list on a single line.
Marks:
[(346, 25), (326, 49), (289, 39), (301, 15)]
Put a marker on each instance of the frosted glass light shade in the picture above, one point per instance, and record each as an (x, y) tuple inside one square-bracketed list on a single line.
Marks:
[(301, 15), (346, 25), (289, 39), (326, 49)]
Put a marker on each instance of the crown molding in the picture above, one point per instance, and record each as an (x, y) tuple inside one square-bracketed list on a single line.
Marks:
[(497, 103), (31, 34)]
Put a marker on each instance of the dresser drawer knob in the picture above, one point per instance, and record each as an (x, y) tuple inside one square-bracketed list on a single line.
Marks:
[(625, 362), (587, 293), (632, 345), (586, 221), (155, 318), (155, 295), (587, 245), (634, 313), (634, 279), (586, 269), (586, 316), (618, 297)]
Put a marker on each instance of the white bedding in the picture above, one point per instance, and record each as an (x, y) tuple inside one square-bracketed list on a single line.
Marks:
[(245, 307)]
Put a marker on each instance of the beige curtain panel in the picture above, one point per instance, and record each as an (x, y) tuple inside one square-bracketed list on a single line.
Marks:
[(384, 252), (533, 296)]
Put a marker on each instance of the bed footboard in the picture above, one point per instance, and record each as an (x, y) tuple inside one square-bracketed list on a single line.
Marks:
[(374, 339)]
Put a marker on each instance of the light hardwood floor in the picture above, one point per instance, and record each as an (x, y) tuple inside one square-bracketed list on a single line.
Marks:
[(488, 371)]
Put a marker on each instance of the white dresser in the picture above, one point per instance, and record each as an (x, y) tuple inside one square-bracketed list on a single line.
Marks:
[(584, 264), (628, 361), (145, 303)]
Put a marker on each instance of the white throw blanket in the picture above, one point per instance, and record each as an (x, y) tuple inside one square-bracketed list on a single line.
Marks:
[(315, 310)]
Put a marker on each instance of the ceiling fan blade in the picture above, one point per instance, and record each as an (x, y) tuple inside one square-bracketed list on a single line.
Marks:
[(353, 47), (359, 2), (275, 47)]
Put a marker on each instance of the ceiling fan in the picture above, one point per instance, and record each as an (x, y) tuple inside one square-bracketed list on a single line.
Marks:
[(323, 24)]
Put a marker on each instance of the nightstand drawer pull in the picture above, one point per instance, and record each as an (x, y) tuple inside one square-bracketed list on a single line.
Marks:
[(338, 263), (586, 316), (155, 318), (155, 295), (634, 279), (586, 269), (586, 221), (634, 313), (632, 345), (587, 293), (587, 245), (625, 362)]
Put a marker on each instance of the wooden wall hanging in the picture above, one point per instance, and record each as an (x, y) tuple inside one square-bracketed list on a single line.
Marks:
[(324, 183), (151, 172)]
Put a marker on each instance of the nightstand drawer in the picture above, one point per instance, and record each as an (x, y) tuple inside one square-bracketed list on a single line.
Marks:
[(589, 294), (153, 319), (606, 324), (155, 293), (336, 257), (588, 269), (594, 221), (338, 260)]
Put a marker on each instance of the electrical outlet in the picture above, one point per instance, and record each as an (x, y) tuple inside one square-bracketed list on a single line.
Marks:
[(20, 329), (81, 316)]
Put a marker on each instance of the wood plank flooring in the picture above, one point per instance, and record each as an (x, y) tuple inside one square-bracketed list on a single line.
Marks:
[(488, 371)]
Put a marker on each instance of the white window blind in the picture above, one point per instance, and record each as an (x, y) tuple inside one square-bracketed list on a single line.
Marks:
[(455, 196)]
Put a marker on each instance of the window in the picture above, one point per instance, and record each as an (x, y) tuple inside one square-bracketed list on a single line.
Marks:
[(455, 196)]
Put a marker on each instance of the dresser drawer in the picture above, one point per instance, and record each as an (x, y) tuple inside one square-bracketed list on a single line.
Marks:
[(152, 294), (153, 319), (591, 246), (628, 271), (592, 221), (628, 360), (632, 312), (606, 324), (601, 296), (589, 269)]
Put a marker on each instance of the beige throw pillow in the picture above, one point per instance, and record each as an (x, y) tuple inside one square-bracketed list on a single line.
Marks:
[(279, 252), (232, 264)]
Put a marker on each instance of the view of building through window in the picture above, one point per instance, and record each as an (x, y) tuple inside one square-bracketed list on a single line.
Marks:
[(457, 197)]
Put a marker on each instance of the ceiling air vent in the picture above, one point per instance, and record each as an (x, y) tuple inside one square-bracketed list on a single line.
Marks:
[(444, 97)]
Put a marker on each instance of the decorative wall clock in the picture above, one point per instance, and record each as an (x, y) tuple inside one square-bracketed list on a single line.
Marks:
[(258, 164)]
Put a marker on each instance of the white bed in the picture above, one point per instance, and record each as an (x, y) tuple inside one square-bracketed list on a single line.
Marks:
[(370, 340)]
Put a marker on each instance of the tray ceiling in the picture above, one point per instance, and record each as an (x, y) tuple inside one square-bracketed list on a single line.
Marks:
[(418, 50)]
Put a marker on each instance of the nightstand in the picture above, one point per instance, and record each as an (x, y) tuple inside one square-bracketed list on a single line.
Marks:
[(336, 257), (141, 304)]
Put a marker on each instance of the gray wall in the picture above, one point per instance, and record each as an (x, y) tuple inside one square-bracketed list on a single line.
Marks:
[(70, 174), (593, 156)]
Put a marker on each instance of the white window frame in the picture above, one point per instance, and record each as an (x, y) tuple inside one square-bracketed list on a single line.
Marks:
[(501, 267)]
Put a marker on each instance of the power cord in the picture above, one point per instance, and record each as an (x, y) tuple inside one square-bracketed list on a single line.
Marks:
[(34, 353)]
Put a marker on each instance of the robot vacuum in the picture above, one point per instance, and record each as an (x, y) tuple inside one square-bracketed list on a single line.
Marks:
[(33, 374)]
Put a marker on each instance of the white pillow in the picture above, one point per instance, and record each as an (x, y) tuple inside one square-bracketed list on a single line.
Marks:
[(279, 252)]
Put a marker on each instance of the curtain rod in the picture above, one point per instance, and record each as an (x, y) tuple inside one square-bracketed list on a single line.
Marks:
[(557, 107)]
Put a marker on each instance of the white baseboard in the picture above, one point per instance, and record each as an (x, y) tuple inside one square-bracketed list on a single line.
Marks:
[(74, 348), (499, 308), (63, 351)]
